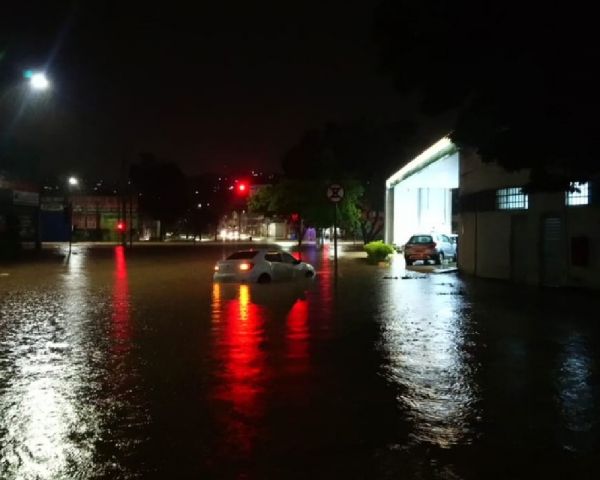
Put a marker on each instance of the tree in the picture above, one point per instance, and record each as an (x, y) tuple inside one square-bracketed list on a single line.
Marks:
[(364, 152), (162, 190), (521, 76), (305, 204)]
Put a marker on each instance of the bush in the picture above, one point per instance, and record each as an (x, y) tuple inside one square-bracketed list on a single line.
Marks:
[(378, 251)]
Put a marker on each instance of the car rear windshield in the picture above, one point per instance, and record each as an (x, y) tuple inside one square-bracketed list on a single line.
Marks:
[(245, 255), (421, 239)]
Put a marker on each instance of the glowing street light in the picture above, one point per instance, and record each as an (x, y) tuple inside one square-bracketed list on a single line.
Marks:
[(38, 81), (71, 182)]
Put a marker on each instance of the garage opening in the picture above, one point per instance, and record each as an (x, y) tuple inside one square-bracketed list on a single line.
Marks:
[(420, 196)]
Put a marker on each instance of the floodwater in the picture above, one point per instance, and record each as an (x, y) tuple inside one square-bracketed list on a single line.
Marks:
[(132, 364)]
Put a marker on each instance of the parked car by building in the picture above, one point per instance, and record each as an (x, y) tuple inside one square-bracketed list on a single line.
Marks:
[(261, 266), (454, 239), (429, 247)]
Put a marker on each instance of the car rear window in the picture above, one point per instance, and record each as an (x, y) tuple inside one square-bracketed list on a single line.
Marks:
[(421, 239), (244, 255)]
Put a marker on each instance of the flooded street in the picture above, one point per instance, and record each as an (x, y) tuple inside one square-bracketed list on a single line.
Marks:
[(133, 364)]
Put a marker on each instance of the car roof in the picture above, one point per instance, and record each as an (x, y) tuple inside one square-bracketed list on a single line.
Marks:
[(259, 250)]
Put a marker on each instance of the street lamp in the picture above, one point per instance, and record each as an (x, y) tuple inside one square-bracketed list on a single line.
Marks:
[(37, 80), (72, 182)]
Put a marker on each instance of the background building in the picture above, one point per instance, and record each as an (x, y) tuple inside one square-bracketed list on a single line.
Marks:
[(504, 233), (541, 238), (421, 195), (94, 217), (19, 214)]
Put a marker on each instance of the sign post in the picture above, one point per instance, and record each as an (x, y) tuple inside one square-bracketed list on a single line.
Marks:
[(335, 193)]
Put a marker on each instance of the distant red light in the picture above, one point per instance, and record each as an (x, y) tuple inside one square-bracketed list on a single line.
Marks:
[(121, 226), (242, 188)]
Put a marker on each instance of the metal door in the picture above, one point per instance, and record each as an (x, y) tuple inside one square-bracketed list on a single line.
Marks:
[(552, 251)]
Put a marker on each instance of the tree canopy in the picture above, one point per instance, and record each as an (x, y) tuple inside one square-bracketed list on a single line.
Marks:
[(522, 77), (364, 153), (304, 204)]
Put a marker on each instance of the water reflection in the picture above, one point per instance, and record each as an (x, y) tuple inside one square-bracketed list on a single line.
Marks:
[(576, 396), (120, 302), (298, 336), (238, 326), (425, 346), (46, 430)]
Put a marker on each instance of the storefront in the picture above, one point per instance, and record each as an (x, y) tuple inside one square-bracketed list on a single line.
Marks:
[(19, 215)]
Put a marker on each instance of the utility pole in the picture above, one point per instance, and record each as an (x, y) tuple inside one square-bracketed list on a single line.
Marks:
[(123, 201), (130, 215), (335, 250), (335, 193)]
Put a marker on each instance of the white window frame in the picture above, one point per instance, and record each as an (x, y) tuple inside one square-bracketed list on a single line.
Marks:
[(511, 198), (580, 197)]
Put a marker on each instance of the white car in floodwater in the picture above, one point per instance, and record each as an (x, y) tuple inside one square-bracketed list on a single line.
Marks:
[(261, 266)]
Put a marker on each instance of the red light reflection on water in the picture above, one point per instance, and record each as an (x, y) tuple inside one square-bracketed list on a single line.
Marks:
[(325, 281), (297, 336), (120, 298), (244, 359), (239, 328)]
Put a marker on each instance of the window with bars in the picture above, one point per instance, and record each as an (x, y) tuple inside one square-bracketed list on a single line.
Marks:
[(580, 194), (511, 199)]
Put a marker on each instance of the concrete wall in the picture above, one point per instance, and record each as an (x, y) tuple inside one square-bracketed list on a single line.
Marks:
[(420, 210), (515, 244), (585, 221), (442, 173), (476, 176)]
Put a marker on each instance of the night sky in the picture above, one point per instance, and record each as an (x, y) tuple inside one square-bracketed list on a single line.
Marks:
[(216, 86)]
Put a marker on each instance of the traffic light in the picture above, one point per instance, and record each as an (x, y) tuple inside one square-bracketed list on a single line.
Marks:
[(242, 188), (120, 226)]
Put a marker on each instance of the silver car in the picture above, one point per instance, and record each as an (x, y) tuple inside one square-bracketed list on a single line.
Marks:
[(261, 266)]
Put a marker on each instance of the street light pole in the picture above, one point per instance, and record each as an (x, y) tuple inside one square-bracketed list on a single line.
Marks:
[(72, 182)]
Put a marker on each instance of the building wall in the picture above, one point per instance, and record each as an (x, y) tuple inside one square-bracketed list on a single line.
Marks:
[(94, 217), (19, 214), (476, 176), (540, 245)]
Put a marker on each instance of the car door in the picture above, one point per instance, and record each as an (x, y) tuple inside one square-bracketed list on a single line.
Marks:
[(290, 265), (277, 268)]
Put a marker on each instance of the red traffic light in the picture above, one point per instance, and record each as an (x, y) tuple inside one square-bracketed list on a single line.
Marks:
[(121, 226), (242, 188)]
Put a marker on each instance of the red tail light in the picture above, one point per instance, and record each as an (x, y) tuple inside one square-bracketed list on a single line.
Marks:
[(246, 266)]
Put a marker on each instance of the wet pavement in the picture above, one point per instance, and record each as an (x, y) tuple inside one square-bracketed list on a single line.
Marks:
[(118, 364)]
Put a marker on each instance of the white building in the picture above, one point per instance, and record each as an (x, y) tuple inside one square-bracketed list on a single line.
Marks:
[(419, 195), (540, 239)]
